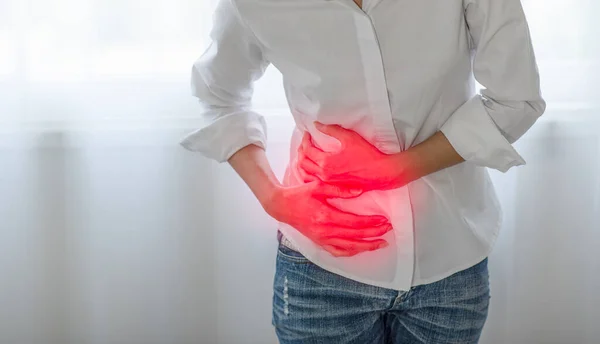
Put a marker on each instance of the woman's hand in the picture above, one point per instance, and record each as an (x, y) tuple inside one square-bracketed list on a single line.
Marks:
[(358, 164), (305, 208)]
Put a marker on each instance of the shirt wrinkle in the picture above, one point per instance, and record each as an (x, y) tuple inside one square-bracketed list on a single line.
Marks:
[(337, 71)]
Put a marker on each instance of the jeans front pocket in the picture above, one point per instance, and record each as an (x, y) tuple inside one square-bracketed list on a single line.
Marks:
[(288, 254)]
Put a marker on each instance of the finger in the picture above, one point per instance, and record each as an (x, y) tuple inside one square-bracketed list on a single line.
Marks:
[(345, 219), (336, 251), (334, 191), (355, 246), (311, 151), (334, 130), (363, 233), (303, 174), (307, 178), (310, 167)]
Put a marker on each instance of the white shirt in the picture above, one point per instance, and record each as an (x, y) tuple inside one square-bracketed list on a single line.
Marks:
[(396, 72)]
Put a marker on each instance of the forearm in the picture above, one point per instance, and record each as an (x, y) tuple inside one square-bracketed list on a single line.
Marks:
[(253, 167), (432, 155)]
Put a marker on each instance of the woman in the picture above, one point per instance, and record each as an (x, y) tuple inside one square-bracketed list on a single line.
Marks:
[(386, 211)]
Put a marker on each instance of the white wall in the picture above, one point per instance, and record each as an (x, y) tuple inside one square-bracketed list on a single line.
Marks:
[(105, 242), (112, 233), (121, 236)]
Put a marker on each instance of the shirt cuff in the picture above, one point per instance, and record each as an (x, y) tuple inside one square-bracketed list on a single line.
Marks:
[(223, 137), (477, 139)]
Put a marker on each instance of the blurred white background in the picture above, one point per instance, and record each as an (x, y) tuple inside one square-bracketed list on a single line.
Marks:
[(112, 233)]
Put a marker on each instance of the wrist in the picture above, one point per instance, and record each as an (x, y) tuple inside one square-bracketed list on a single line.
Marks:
[(270, 198), (409, 166)]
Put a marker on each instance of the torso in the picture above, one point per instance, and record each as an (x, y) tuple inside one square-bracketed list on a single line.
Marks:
[(394, 75)]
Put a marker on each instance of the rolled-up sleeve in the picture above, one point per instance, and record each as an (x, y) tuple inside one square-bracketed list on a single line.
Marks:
[(483, 129), (222, 79)]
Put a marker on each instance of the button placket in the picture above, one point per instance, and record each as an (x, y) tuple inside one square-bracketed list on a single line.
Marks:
[(388, 142)]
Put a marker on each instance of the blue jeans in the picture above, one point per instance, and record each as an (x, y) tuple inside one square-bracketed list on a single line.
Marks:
[(312, 305)]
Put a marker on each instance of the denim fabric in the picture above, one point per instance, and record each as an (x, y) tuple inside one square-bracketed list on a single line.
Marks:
[(312, 305)]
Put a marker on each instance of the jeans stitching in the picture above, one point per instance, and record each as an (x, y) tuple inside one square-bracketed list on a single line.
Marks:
[(294, 258)]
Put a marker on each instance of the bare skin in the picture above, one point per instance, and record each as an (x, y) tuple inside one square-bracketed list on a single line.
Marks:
[(356, 168), (360, 165), (305, 208)]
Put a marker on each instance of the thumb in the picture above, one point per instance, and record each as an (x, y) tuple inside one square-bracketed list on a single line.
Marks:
[(333, 130), (333, 191)]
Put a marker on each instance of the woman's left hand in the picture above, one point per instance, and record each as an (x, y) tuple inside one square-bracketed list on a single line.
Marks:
[(357, 165)]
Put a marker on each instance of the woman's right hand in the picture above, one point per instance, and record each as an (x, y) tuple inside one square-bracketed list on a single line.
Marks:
[(342, 234)]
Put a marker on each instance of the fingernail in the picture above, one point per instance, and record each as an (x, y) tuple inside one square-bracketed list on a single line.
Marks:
[(318, 124), (355, 192), (383, 244)]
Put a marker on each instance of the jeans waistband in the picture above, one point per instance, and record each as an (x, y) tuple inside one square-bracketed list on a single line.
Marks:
[(285, 242)]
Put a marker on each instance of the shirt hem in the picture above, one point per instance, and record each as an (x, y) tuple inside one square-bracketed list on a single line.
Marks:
[(475, 261), (341, 273), (393, 286)]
